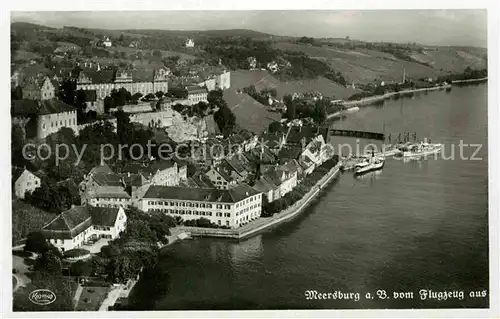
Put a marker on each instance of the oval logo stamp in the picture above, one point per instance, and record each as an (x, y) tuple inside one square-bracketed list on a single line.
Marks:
[(42, 297)]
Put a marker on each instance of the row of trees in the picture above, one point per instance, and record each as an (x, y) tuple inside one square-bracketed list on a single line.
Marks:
[(302, 108), (262, 96)]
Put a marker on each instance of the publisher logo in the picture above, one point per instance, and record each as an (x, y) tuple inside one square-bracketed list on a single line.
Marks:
[(42, 297)]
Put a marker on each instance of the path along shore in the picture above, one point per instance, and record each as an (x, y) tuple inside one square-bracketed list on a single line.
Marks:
[(265, 222), (376, 98)]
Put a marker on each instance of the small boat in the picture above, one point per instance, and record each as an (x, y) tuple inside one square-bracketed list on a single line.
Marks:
[(373, 164), (422, 149)]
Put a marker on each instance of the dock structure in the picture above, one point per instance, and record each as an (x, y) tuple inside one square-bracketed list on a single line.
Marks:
[(358, 134)]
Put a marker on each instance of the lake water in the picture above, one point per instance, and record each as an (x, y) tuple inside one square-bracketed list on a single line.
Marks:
[(414, 225)]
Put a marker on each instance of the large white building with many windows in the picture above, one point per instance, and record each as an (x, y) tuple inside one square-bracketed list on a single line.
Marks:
[(224, 207), (80, 224)]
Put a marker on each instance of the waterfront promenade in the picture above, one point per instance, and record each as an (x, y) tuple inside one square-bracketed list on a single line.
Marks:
[(265, 222)]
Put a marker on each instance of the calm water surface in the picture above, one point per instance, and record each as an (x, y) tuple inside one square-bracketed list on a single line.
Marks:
[(415, 225)]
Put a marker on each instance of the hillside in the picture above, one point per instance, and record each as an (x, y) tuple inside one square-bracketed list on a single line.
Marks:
[(363, 65), (263, 79)]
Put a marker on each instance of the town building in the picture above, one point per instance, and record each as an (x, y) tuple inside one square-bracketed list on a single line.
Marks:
[(220, 177), (102, 187), (272, 66), (277, 181), (24, 181), (197, 94), (41, 88), (160, 172), (107, 42), (189, 43), (79, 225), (221, 80), (134, 81), (40, 118), (230, 207), (252, 62)]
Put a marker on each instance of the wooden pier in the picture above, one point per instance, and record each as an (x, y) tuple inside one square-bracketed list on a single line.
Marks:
[(359, 134)]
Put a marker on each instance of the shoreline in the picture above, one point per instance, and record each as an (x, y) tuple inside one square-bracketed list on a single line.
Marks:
[(266, 222), (469, 80), (376, 98)]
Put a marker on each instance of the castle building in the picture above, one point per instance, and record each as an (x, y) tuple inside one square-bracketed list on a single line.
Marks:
[(134, 81), (39, 113)]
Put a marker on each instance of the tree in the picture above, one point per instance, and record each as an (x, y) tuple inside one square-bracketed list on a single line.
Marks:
[(80, 268), (177, 92), (46, 197), (17, 144), (320, 114), (290, 111), (274, 127), (16, 93), (124, 128), (49, 262), (216, 98), (159, 94), (121, 268), (67, 90), (36, 242), (149, 97), (109, 103), (225, 119)]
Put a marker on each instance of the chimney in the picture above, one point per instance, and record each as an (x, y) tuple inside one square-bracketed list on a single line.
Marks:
[(128, 174), (90, 66)]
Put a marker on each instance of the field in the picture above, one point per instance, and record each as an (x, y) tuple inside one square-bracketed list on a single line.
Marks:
[(250, 114), (263, 79), (364, 66)]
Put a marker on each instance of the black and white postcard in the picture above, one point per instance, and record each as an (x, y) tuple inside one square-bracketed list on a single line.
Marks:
[(212, 160)]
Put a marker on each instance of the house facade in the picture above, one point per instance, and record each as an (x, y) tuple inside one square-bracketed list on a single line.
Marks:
[(103, 82), (189, 43), (220, 178), (24, 181), (40, 118), (277, 181), (39, 89), (78, 225), (197, 94), (231, 208)]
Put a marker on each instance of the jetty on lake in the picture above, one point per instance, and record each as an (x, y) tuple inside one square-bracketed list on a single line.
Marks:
[(358, 134)]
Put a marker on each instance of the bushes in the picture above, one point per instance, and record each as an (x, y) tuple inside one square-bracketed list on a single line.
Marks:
[(203, 223)]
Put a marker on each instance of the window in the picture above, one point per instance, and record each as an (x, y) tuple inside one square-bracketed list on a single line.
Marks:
[(227, 222)]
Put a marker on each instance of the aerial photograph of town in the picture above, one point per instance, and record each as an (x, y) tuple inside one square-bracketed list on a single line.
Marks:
[(249, 160)]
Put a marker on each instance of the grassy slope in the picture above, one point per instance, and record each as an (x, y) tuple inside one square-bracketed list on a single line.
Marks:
[(263, 79), (364, 66), (250, 114), (27, 218)]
